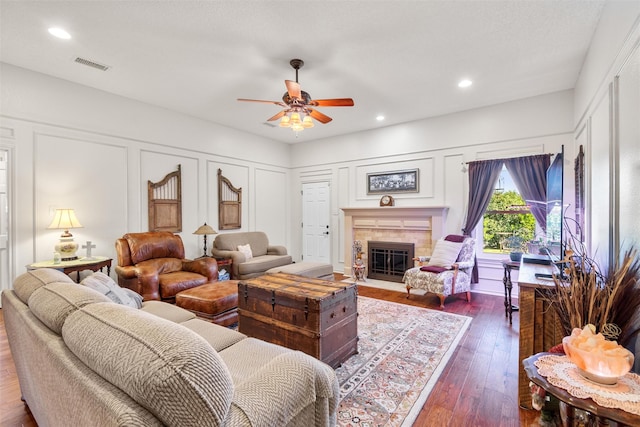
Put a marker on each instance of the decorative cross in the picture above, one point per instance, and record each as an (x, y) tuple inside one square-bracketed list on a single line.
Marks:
[(88, 247)]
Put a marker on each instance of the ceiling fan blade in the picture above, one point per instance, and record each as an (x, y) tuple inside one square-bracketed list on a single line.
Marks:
[(322, 118), (336, 102), (293, 88), (277, 116), (280, 103)]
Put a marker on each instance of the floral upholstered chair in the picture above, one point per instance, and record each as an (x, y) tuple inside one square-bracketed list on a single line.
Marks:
[(447, 270)]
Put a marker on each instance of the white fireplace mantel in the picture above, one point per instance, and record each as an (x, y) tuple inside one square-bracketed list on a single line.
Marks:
[(398, 218)]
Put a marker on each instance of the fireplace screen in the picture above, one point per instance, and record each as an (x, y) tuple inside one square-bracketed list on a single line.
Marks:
[(389, 260)]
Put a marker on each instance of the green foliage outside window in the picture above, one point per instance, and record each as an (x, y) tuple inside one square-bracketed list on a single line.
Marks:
[(505, 218)]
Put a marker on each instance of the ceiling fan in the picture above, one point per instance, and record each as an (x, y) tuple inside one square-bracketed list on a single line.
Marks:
[(298, 105)]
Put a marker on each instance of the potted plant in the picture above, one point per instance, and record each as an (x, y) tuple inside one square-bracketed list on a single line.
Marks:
[(517, 245)]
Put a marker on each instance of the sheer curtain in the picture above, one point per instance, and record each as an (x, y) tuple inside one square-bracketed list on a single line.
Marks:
[(530, 177), (482, 180)]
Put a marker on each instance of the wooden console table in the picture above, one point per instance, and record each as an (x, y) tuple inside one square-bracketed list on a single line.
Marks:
[(540, 327), (94, 264)]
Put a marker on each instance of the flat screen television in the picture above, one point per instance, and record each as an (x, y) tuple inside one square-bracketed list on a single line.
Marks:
[(554, 221)]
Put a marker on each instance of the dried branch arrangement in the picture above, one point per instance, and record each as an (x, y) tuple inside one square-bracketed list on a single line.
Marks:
[(609, 300)]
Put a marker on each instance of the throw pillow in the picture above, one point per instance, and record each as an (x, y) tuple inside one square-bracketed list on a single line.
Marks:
[(433, 269), (104, 284), (445, 253), (246, 250)]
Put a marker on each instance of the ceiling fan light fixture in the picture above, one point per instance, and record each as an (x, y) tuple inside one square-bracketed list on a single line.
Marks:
[(297, 113), (307, 122), (285, 122)]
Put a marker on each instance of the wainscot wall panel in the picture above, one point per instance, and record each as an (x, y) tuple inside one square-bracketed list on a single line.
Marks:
[(272, 212), (78, 172)]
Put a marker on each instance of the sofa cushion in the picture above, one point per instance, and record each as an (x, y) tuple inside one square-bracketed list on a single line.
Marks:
[(167, 311), (172, 283), (104, 284), (26, 283), (262, 370), (258, 241), (53, 303), (161, 265), (219, 337), (158, 244), (166, 368), (263, 263)]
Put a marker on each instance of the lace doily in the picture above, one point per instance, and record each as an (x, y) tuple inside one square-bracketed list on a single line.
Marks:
[(562, 373)]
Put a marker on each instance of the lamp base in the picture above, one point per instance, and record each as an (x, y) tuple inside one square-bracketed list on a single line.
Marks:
[(67, 249)]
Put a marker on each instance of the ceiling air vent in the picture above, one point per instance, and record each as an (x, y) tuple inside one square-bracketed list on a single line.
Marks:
[(92, 64)]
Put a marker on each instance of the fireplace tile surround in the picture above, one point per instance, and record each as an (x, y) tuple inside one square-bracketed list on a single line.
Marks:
[(422, 226)]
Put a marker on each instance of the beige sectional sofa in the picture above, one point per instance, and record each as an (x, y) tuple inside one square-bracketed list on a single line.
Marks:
[(83, 359), (262, 256)]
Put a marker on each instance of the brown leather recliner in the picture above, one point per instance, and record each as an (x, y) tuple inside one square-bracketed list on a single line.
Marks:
[(153, 265)]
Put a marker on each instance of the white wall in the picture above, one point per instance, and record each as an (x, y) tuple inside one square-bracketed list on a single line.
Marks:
[(73, 146), (607, 100), (438, 147)]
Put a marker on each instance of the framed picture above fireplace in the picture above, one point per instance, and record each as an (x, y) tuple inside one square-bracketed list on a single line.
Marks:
[(405, 181)]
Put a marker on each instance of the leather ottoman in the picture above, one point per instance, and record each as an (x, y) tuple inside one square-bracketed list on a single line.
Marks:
[(216, 302)]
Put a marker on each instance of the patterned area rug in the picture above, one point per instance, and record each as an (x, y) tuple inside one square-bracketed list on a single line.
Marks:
[(383, 284), (402, 352)]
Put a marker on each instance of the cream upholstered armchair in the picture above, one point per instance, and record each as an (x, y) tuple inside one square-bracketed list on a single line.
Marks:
[(447, 270)]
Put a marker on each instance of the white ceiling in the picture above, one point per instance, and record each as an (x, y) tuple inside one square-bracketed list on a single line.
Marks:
[(402, 59)]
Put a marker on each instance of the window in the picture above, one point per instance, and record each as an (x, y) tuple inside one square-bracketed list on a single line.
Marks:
[(507, 224)]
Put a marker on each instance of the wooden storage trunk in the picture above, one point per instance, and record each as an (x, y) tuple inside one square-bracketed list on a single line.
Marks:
[(317, 317)]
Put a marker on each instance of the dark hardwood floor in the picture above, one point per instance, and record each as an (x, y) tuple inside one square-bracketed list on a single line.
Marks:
[(479, 386)]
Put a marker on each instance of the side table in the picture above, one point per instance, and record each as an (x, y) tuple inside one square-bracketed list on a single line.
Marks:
[(226, 263), (358, 272), (509, 265), (94, 264), (601, 413)]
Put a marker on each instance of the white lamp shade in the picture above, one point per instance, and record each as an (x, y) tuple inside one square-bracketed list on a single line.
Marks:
[(65, 219)]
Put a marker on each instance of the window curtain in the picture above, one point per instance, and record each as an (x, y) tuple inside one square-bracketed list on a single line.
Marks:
[(482, 180), (530, 177)]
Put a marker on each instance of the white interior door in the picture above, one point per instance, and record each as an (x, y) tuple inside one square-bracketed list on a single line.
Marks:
[(5, 279), (316, 236)]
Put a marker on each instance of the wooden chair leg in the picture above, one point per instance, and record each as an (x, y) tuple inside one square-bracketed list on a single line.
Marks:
[(441, 301), (408, 291), (468, 296)]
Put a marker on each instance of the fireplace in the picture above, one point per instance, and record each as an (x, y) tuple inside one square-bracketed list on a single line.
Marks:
[(420, 226), (389, 260)]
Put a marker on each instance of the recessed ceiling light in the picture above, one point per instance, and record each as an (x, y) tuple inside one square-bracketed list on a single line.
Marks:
[(380, 118), (465, 83), (59, 33)]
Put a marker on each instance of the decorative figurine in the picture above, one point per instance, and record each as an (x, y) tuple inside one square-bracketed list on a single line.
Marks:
[(88, 247)]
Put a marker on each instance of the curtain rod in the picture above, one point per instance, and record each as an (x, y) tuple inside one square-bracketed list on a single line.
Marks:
[(547, 154)]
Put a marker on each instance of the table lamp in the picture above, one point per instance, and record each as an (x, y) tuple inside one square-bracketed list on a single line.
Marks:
[(205, 230), (65, 219)]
